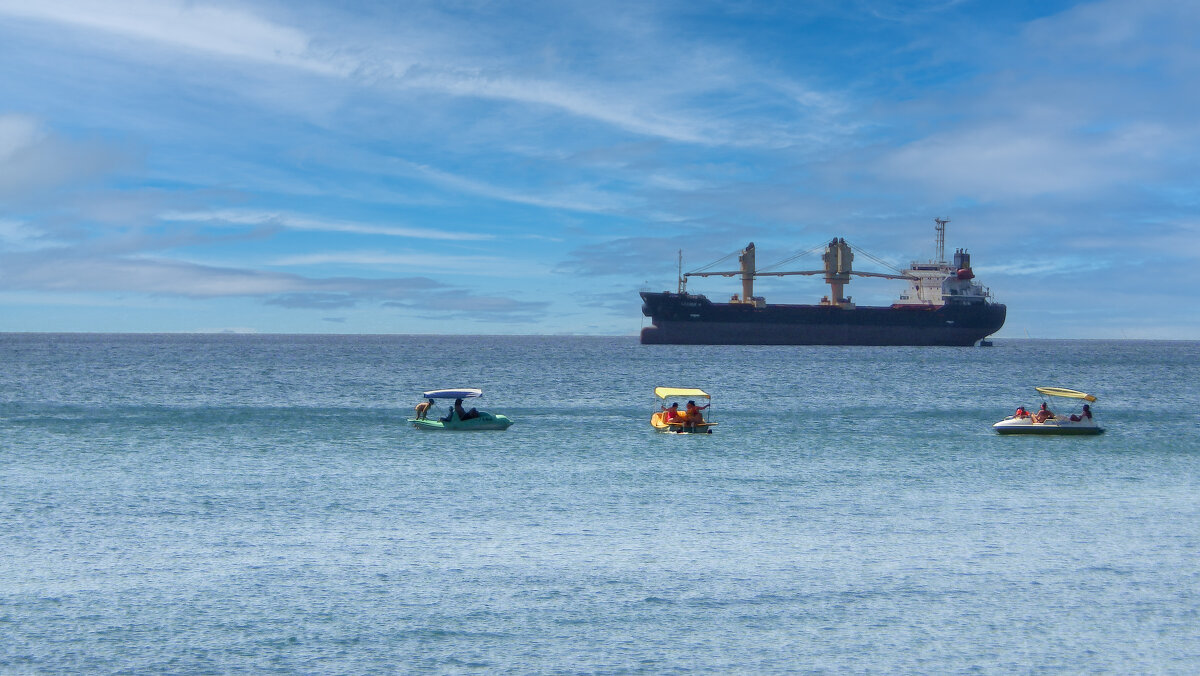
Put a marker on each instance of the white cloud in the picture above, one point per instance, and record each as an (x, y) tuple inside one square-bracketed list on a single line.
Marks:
[(424, 261), (202, 27), (17, 132), (614, 108), (298, 222), (61, 276), (59, 271), (33, 160), (652, 103), (1071, 266), (1001, 161), (579, 198), (1090, 102), (20, 236)]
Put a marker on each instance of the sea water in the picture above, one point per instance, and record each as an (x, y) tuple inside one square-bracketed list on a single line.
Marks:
[(214, 504)]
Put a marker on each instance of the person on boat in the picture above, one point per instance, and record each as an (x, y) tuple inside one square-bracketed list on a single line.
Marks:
[(1087, 413), (671, 413), (464, 415), (423, 409), (1021, 412), (1043, 414), (692, 416)]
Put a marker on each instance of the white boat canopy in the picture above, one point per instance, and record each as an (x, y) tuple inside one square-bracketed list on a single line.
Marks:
[(461, 393), (1064, 392), (680, 392)]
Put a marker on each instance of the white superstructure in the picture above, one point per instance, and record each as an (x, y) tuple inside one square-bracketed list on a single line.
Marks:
[(939, 282)]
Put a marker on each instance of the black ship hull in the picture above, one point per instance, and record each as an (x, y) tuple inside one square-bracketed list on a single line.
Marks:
[(686, 319)]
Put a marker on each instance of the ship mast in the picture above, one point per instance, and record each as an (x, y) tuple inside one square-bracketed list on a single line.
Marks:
[(682, 279), (941, 238)]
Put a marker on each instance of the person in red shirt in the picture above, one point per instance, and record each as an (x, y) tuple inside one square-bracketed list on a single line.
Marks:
[(671, 413)]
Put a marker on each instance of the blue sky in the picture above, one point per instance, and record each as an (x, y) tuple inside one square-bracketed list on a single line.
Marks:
[(527, 167)]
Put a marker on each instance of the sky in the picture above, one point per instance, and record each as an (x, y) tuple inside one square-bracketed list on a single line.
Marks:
[(494, 167)]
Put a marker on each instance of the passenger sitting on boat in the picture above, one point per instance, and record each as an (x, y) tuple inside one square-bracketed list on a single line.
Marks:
[(423, 409), (693, 415), (1043, 414), (1087, 413), (1021, 412), (671, 413), (464, 415)]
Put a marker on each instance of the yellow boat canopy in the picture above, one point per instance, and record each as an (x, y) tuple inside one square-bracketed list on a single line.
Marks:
[(1064, 392), (680, 392)]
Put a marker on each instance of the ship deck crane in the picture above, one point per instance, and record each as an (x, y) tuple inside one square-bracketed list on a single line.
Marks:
[(838, 258)]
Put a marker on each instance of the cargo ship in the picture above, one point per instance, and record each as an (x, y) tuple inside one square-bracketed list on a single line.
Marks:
[(944, 305)]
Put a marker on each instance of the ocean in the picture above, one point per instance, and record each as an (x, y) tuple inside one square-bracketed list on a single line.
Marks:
[(256, 503)]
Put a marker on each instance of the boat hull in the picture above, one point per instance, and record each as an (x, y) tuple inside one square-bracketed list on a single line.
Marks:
[(1050, 427), (686, 319), (656, 421), (485, 422)]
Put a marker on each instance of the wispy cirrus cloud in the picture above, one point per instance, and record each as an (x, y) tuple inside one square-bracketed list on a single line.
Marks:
[(578, 198), (58, 273), (653, 103), (202, 27), (617, 110), (59, 270), (292, 221), (623, 256), (494, 266), (17, 235), (485, 308)]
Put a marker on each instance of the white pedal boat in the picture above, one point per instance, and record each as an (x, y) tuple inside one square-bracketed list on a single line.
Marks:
[(1074, 422)]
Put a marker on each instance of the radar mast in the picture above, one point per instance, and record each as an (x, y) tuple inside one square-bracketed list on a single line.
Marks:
[(682, 279), (941, 238)]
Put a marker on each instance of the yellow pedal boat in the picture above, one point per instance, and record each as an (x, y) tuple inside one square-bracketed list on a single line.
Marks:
[(671, 419)]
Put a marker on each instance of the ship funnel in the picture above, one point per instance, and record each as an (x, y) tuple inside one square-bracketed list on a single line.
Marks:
[(962, 260)]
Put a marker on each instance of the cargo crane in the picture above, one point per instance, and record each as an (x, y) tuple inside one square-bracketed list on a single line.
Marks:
[(838, 258)]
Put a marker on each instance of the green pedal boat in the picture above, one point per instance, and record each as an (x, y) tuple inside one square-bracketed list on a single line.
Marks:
[(457, 418)]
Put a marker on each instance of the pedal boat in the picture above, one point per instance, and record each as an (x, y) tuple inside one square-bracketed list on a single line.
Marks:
[(480, 422), (1059, 424), (679, 425)]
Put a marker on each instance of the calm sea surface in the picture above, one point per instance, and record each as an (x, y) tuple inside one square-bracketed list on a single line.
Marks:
[(208, 504)]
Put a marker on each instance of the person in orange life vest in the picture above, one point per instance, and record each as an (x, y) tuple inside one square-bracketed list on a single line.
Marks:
[(1021, 412)]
